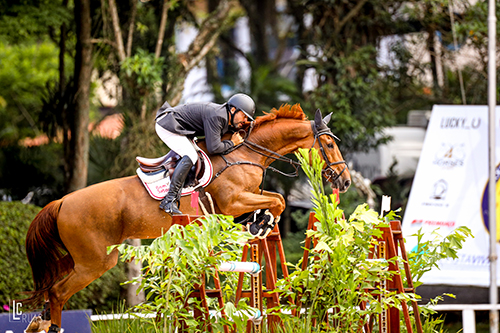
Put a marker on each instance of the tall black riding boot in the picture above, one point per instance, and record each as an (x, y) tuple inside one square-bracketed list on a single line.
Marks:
[(169, 203)]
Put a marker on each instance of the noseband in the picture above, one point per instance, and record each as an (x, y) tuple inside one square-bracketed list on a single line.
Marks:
[(328, 172)]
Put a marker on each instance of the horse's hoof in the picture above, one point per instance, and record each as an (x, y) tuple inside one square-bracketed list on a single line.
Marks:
[(269, 227), (263, 225), (37, 324), (266, 232), (54, 329), (263, 218), (255, 230)]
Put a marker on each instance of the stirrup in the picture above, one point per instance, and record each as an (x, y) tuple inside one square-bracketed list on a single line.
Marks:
[(170, 207)]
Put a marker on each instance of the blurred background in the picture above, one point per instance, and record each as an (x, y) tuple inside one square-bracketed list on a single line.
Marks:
[(81, 80)]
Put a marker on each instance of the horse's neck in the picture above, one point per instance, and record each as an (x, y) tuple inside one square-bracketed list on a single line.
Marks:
[(285, 136)]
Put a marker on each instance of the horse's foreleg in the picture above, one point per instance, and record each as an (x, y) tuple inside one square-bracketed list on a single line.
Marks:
[(277, 196), (246, 202), (80, 277)]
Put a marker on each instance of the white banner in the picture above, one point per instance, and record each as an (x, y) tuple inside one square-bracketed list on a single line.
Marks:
[(450, 190)]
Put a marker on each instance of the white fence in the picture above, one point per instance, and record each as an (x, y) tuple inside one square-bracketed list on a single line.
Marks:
[(468, 313)]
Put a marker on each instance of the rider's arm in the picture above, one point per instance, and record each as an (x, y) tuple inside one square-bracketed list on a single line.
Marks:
[(213, 129)]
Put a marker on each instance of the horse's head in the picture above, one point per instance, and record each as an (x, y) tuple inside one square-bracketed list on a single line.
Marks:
[(335, 170)]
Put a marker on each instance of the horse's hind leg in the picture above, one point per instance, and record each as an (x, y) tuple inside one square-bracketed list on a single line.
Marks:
[(81, 276)]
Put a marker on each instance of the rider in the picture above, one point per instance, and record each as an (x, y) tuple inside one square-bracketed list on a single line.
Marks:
[(175, 124)]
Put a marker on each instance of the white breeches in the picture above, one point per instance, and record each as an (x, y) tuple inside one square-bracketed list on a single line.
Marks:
[(178, 143)]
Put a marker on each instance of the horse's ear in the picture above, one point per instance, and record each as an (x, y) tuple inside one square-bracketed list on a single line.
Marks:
[(326, 120), (318, 118)]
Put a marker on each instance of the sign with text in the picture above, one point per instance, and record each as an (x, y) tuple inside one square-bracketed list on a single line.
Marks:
[(450, 190), (73, 321)]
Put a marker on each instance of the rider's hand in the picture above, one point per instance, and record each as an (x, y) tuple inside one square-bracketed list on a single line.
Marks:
[(236, 138)]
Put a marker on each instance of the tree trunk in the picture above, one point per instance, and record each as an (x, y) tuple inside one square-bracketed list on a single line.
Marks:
[(433, 62), (131, 28), (161, 30), (260, 14), (77, 154), (134, 270), (209, 31), (62, 51), (117, 30)]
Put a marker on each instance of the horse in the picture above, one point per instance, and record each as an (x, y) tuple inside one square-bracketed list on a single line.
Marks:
[(67, 242)]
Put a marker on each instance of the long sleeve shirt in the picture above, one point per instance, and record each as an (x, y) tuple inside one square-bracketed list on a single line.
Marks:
[(198, 119)]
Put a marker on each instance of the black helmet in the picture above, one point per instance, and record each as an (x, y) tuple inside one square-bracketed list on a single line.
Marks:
[(243, 103)]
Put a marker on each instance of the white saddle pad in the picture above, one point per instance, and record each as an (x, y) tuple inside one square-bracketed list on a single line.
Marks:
[(158, 183)]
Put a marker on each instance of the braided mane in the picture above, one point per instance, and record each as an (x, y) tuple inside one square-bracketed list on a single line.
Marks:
[(285, 111)]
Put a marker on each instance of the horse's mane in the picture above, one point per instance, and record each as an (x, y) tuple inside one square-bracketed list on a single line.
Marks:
[(285, 111)]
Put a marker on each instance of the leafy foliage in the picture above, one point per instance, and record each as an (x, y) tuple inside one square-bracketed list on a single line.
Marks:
[(175, 265), (29, 19), (339, 273), (137, 139), (26, 70), (132, 325), (428, 253), (15, 219), (268, 88), (142, 75), (359, 100)]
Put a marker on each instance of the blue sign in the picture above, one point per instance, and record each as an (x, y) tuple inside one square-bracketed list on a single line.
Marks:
[(73, 321)]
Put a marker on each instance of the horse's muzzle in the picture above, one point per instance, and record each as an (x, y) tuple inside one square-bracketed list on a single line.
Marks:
[(341, 184)]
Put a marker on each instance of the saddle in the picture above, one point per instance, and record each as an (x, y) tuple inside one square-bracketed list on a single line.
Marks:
[(168, 162), (155, 173)]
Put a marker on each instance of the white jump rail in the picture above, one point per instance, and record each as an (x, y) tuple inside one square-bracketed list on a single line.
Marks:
[(121, 316), (468, 313), (249, 267)]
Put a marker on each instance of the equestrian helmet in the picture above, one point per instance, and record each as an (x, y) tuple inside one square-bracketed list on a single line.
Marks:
[(244, 103)]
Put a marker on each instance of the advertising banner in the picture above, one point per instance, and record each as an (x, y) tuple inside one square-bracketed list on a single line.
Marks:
[(450, 190), (72, 321)]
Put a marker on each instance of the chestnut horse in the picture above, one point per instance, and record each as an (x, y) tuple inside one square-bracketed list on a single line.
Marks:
[(67, 241)]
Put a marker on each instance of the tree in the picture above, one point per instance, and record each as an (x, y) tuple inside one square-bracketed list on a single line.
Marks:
[(77, 149)]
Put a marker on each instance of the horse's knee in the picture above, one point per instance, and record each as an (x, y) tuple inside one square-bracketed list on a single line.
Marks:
[(277, 208)]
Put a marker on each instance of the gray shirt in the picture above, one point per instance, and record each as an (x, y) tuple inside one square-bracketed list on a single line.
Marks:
[(198, 119)]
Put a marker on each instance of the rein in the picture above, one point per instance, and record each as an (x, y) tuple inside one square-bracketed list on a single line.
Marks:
[(253, 147), (328, 172)]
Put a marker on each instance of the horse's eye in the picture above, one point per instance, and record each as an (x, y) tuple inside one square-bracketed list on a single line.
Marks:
[(330, 145)]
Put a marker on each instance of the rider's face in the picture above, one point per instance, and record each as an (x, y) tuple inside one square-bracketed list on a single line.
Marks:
[(239, 119)]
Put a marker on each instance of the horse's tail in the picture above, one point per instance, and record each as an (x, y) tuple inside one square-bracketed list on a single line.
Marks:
[(46, 253)]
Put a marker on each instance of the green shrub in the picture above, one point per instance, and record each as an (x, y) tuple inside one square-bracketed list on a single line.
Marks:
[(176, 263), (15, 276), (339, 274)]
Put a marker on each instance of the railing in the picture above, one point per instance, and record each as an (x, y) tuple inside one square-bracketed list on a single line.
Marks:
[(468, 313)]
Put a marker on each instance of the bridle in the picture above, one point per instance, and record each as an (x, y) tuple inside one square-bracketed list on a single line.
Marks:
[(328, 172)]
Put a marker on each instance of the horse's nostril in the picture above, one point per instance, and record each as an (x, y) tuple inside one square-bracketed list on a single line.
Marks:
[(347, 183)]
